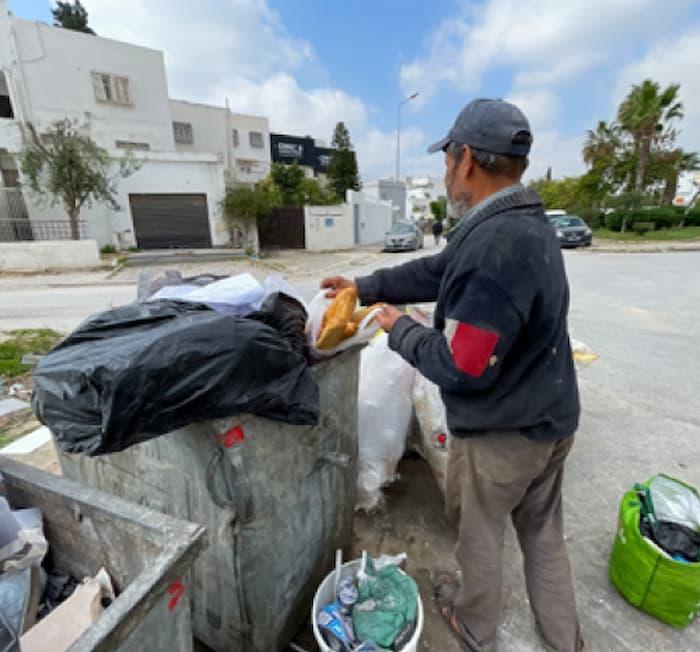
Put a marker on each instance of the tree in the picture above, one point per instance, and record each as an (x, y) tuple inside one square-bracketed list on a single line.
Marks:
[(65, 166), (559, 193), (343, 174), (645, 114), (439, 209), (315, 193), (71, 16), (249, 205), (288, 178)]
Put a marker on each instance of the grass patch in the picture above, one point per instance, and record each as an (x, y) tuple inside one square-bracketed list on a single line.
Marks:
[(20, 342), (687, 233)]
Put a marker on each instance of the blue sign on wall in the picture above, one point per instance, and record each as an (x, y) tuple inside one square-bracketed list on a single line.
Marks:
[(329, 222)]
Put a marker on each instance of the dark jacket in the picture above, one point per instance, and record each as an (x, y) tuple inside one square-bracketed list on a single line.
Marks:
[(500, 349), (437, 227)]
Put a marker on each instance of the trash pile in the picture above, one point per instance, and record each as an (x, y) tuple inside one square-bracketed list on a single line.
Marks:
[(191, 349), (37, 603), (655, 562), (375, 608)]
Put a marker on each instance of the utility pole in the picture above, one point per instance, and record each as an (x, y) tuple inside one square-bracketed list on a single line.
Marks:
[(398, 132)]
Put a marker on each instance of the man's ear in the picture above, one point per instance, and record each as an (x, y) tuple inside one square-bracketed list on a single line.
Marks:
[(466, 165)]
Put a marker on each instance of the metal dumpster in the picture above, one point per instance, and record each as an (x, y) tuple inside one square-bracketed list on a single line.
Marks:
[(277, 500), (145, 553)]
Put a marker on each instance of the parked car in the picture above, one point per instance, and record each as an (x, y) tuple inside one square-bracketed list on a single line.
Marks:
[(403, 236), (572, 231)]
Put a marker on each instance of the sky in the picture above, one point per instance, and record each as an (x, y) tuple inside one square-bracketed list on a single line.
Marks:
[(307, 64)]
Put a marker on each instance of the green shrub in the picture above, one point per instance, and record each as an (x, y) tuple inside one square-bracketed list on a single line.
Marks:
[(692, 218), (640, 228), (108, 249), (613, 221)]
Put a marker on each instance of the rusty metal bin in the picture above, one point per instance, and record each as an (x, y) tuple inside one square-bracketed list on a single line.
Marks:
[(146, 554), (276, 499)]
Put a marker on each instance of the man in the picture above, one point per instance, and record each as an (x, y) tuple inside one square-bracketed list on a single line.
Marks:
[(437, 231), (500, 353)]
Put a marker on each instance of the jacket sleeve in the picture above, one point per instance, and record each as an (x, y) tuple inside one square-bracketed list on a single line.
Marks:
[(417, 280), (482, 324)]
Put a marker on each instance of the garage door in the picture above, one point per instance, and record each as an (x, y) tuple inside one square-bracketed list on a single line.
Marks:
[(172, 220)]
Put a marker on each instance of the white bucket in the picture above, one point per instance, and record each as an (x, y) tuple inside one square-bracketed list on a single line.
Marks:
[(326, 594)]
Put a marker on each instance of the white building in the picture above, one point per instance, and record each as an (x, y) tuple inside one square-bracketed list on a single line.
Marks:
[(119, 92), (242, 141), (389, 190), (420, 192)]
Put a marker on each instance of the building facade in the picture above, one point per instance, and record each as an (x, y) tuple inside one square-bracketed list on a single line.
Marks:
[(420, 193), (389, 190), (310, 154), (242, 141), (118, 93)]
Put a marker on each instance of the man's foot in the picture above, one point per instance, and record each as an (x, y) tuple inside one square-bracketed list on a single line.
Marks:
[(446, 587)]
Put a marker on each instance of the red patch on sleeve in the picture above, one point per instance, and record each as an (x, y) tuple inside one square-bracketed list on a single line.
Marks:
[(472, 348)]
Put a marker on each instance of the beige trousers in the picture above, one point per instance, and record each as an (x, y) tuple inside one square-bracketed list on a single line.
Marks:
[(492, 478)]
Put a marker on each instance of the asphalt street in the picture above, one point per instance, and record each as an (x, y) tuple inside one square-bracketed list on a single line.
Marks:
[(641, 416)]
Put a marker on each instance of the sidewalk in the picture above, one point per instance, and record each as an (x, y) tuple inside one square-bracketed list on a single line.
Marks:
[(661, 246)]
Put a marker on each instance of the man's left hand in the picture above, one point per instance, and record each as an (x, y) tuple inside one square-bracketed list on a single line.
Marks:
[(387, 317)]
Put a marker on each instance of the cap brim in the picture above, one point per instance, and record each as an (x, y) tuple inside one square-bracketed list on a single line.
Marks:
[(439, 146)]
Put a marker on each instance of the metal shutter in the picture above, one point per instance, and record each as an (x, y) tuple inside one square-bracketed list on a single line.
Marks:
[(170, 221)]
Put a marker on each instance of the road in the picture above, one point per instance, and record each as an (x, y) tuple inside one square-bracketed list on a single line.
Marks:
[(641, 416)]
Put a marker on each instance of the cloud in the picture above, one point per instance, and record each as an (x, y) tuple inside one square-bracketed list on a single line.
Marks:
[(540, 106), (205, 41), (547, 40), (672, 60)]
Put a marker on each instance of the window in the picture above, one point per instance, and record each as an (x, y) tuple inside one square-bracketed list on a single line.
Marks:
[(235, 138), (130, 144), (112, 89), (183, 133), (6, 110), (256, 139)]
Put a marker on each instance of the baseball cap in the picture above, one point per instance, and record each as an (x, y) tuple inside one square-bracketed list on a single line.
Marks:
[(495, 126)]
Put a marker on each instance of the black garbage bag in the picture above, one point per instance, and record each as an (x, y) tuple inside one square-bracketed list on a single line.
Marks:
[(144, 369)]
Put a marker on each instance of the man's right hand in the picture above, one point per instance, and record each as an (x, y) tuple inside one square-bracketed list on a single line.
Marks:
[(334, 284)]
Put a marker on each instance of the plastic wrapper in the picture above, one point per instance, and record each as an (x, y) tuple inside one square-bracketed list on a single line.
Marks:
[(674, 501), (146, 369), (384, 417), (387, 605), (22, 541), (366, 329)]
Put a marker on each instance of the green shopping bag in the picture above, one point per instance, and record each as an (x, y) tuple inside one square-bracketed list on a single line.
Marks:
[(646, 577)]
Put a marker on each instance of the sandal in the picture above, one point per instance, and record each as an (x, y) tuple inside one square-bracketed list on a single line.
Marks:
[(446, 587)]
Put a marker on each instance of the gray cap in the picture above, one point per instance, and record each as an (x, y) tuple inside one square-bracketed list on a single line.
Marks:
[(492, 125)]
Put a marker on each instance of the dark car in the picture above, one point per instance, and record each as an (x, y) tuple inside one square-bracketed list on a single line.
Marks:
[(403, 236), (572, 231)]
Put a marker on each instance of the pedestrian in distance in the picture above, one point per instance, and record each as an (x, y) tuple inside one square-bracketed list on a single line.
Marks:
[(437, 231), (499, 350)]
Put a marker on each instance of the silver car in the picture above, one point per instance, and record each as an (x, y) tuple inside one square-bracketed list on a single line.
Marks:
[(403, 236)]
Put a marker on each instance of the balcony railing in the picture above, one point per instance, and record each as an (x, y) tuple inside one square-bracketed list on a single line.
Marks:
[(23, 230)]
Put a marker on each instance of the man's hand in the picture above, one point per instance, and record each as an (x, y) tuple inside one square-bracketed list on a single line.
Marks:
[(334, 284), (387, 316)]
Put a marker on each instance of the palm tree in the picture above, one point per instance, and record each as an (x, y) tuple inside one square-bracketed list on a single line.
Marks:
[(644, 114), (673, 163), (601, 144)]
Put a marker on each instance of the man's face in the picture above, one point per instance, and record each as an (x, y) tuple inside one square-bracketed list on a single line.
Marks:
[(457, 182)]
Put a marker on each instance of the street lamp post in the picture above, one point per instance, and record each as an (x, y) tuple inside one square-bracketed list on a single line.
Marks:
[(398, 131)]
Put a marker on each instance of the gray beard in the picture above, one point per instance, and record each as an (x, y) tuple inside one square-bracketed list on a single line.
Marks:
[(457, 209)]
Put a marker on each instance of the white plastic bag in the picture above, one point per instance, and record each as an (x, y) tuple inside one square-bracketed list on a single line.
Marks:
[(384, 416), (317, 308), (674, 502), (432, 420), (237, 295)]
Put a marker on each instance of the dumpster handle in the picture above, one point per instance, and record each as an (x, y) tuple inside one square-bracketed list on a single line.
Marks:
[(241, 503)]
